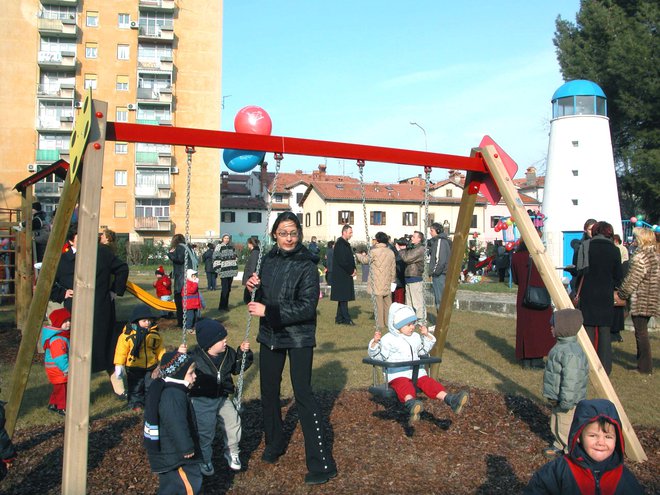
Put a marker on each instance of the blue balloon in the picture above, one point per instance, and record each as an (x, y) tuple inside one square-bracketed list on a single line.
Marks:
[(639, 223), (241, 160)]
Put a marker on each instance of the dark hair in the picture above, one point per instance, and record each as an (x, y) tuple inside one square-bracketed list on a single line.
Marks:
[(345, 228), (401, 241), (110, 235), (284, 217), (72, 232), (382, 237), (331, 244), (177, 239), (437, 227), (589, 222), (617, 238), (253, 241), (210, 245), (602, 228), (419, 234)]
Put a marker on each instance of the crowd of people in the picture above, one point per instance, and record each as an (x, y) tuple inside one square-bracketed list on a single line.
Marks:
[(185, 396)]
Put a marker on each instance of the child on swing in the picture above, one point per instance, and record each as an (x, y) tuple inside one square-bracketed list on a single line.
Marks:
[(402, 343), (216, 363), (139, 349)]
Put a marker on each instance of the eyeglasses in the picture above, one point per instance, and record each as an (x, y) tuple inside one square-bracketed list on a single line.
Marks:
[(293, 234)]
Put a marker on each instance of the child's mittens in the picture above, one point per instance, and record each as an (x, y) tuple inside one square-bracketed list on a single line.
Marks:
[(119, 370)]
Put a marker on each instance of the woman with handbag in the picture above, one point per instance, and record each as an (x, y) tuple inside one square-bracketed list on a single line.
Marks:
[(533, 336), (599, 277), (642, 287)]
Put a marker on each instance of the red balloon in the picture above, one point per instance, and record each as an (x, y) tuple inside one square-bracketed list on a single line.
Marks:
[(505, 226), (509, 246), (475, 235), (253, 120)]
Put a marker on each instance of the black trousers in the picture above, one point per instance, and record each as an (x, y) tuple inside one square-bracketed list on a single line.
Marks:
[(342, 315), (271, 365), (137, 384), (178, 301), (225, 287), (184, 480), (210, 280)]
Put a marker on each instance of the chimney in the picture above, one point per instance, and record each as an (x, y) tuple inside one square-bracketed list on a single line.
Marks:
[(298, 172), (530, 176), (225, 179), (322, 169)]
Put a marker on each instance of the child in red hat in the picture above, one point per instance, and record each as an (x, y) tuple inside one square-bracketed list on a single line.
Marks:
[(163, 286), (55, 342)]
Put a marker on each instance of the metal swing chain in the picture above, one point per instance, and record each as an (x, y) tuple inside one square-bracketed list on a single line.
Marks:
[(427, 194), (238, 397), (360, 164), (189, 151)]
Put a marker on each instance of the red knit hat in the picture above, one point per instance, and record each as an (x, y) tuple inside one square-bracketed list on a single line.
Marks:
[(160, 271), (59, 316)]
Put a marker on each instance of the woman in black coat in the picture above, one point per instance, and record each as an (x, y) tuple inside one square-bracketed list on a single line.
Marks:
[(343, 270), (286, 300), (177, 255), (596, 286)]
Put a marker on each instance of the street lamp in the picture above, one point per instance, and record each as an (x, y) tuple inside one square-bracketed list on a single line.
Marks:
[(426, 148)]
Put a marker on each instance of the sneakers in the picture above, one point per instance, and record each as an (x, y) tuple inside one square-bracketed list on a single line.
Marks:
[(457, 401), (320, 477), (414, 407), (233, 461), (52, 407), (207, 469)]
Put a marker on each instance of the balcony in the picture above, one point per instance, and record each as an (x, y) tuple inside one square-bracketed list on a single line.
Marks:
[(62, 124), (70, 3), (48, 189), (50, 156), (162, 5), (64, 60), (64, 28), (160, 191), (163, 31), (153, 224), (155, 95), (56, 91), (151, 66)]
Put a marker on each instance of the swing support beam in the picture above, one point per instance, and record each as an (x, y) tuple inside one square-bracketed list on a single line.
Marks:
[(485, 164)]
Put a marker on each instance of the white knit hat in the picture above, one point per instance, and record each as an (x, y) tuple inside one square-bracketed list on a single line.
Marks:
[(402, 315), (189, 273)]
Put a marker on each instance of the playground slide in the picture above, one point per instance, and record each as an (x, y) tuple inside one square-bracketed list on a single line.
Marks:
[(147, 298)]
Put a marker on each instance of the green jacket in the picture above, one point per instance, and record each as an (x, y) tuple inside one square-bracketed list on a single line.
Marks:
[(566, 373)]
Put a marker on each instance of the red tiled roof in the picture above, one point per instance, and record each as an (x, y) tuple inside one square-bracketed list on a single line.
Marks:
[(522, 183), (287, 180)]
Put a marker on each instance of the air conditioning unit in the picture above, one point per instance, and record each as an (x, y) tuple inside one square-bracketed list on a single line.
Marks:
[(134, 24), (132, 106), (78, 104), (174, 170), (32, 167)]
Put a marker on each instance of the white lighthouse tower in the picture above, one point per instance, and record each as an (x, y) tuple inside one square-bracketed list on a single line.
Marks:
[(580, 180)]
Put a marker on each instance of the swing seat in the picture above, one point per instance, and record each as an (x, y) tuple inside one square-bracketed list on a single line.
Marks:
[(380, 387)]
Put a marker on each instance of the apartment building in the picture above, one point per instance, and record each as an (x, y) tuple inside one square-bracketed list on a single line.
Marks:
[(155, 63)]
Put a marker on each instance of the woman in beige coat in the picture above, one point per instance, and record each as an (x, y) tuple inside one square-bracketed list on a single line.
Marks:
[(382, 276), (642, 287)]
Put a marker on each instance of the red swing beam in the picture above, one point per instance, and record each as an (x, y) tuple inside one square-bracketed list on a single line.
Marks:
[(142, 133)]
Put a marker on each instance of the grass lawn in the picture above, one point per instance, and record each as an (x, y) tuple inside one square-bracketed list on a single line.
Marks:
[(479, 353)]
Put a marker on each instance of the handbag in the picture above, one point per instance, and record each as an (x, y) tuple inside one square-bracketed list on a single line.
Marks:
[(537, 298), (619, 303), (576, 297)]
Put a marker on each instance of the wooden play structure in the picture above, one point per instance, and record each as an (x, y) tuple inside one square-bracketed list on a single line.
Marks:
[(489, 172)]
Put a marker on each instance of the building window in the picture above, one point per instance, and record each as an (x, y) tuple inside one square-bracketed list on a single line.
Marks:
[(121, 148), (575, 144), (319, 217), (159, 208), (575, 173), (123, 52), (449, 193), (473, 224), (409, 219), (90, 81), (228, 217), (300, 217), (121, 114), (494, 221), (121, 177), (430, 219), (120, 209), (299, 197), (91, 50), (574, 201), (254, 217), (277, 198), (92, 19), (377, 218), (124, 21), (344, 217), (308, 219), (122, 83)]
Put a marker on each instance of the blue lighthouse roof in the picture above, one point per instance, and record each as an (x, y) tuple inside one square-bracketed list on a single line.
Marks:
[(578, 87)]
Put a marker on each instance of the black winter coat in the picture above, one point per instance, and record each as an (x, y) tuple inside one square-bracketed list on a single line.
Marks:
[(111, 276), (601, 277), (343, 266), (290, 291), (178, 259), (177, 429), (213, 381), (207, 258)]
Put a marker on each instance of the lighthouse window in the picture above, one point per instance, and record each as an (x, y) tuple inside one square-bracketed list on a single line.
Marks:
[(575, 173), (601, 107), (565, 106), (584, 105), (575, 144), (575, 202)]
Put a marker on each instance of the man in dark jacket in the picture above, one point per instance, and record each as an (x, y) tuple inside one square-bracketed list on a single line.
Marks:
[(111, 277), (343, 271), (440, 248), (207, 258)]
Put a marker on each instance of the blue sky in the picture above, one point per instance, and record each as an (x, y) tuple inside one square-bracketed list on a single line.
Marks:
[(360, 71)]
